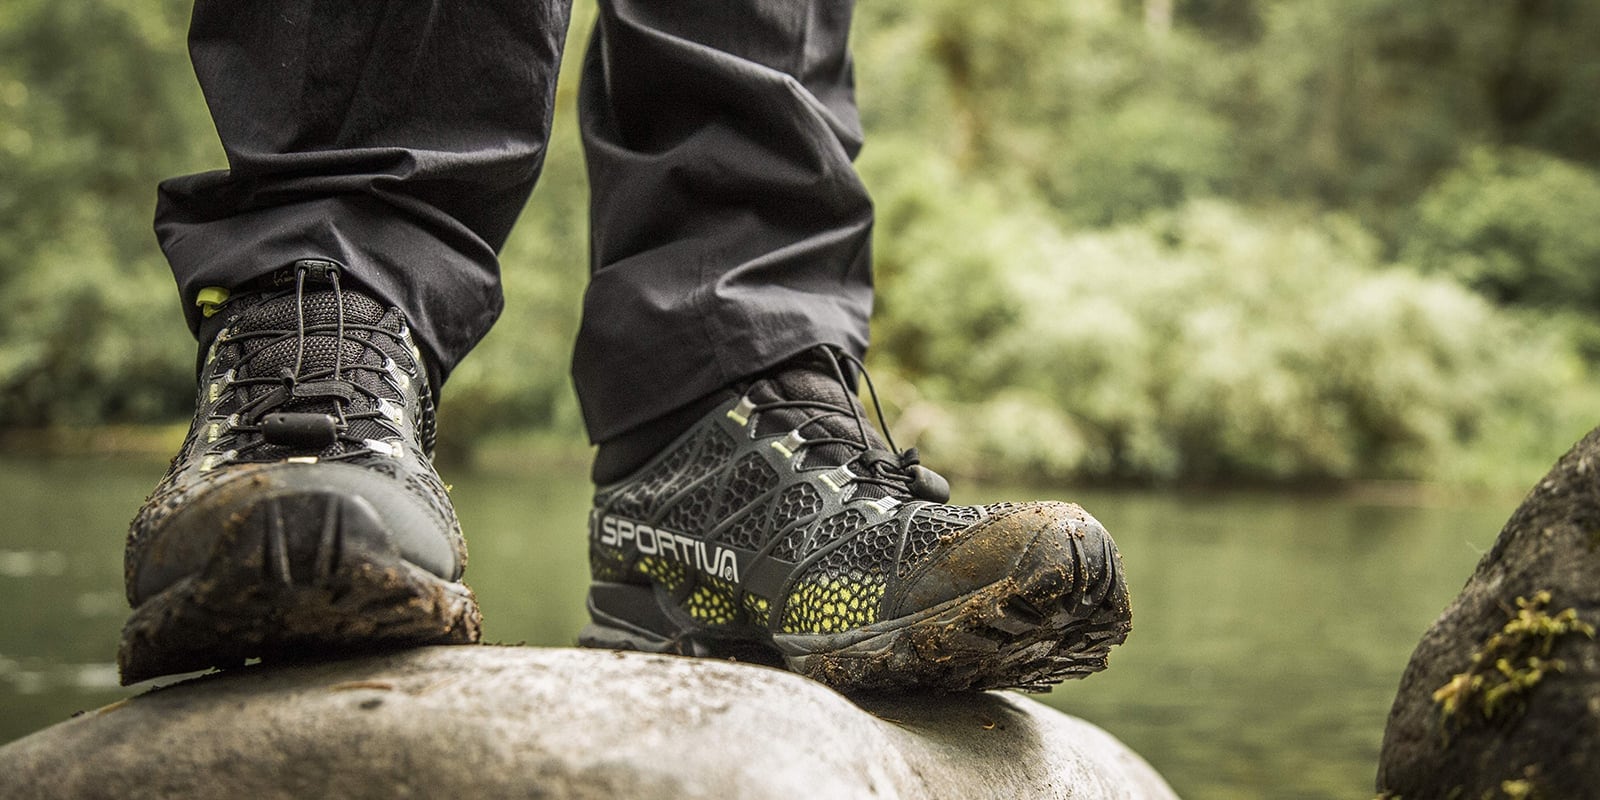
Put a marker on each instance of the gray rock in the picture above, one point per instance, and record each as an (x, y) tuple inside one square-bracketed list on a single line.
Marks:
[(485, 722), (1502, 696)]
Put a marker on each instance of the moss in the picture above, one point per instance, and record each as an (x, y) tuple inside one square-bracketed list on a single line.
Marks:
[(1518, 790), (1511, 663)]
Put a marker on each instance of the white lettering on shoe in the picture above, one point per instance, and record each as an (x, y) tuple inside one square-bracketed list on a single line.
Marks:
[(652, 541)]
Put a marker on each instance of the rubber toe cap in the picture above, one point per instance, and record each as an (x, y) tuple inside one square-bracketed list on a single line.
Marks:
[(1036, 543), (394, 520)]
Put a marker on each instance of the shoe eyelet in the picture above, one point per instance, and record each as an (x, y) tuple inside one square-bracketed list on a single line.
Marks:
[(741, 412), (884, 505), (391, 411), (411, 345), (395, 375), (789, 445), (838, 479), (215, 389), (385, 448)]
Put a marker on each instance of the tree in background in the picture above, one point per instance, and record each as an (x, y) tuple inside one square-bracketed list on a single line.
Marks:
[(1218, 239), (96, 105)]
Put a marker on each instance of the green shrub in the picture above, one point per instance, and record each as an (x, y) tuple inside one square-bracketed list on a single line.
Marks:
[(97, 104), (1518, 226), (1211, 343)]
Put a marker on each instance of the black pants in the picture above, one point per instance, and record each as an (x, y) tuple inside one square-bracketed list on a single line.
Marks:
[(402, 138)]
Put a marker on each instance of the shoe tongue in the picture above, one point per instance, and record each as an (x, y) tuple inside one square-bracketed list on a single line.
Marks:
[(321, 308), (811, 378), (318, 310)]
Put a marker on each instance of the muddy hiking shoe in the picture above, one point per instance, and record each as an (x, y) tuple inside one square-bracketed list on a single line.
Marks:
[(302, 516), (782, 528)]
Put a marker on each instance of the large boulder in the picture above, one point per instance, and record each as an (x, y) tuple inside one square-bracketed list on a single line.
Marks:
[(485, 722), (1502, 697)]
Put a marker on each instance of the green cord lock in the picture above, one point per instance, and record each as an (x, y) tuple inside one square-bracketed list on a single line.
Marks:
[(210, 299)]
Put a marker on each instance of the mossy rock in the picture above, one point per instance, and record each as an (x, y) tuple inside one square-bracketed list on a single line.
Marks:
[(1502, 696)]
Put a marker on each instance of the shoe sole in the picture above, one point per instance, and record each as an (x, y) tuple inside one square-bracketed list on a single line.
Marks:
[(1026, 631), (300, 576)]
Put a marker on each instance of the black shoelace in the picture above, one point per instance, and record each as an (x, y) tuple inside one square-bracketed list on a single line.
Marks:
[(897, 471), (278, 417)]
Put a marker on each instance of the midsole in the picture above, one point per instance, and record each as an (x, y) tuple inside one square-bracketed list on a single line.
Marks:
[(648, 611), (645, 611)]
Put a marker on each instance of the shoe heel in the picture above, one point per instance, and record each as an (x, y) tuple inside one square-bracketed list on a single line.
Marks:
[(628, 617)]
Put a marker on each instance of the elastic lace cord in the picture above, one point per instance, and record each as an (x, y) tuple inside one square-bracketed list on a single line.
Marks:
[(872, 391), (284, 383), (338, 346), (880, 472), (300, 325)]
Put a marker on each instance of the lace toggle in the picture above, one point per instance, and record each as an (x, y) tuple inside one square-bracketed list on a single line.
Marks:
[(904, 467), (299, 430), (925, 483)]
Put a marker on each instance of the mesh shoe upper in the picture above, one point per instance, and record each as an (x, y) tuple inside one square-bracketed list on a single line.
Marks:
[(307, 375), (783, 510)]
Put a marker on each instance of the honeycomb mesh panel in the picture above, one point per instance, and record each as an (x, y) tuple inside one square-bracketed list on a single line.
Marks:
[(748, 531), (640, 499), (752, 477), (711, 602), (606, 564), (824, 604), (967, 514), (709, 449), (793, 542), (714, 450), (795, 507), (923, 537), (757, 607), (830, 529), (872, 550), (670, 574), (691, 513), (798, 503), (644, 498)]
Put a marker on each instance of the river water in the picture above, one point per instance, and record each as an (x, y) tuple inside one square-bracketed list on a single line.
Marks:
[(1269, 630)]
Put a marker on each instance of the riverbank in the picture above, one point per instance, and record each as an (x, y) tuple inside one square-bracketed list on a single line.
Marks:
[(530, 452)]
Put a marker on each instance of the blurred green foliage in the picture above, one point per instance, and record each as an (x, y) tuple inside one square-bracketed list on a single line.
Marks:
[(96, 104), (1145, 240), (1504, 223)]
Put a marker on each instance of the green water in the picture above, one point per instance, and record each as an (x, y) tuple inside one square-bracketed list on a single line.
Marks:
[(1269, 631)]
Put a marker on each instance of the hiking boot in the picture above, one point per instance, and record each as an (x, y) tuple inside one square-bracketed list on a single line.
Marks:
[(302, 516), (782, 528)]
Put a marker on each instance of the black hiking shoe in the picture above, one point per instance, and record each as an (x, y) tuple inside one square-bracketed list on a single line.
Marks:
[(302, 516), (781, 528)]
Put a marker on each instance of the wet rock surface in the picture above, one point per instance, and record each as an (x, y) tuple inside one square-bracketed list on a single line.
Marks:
[(1502, 696), (553, 723)]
